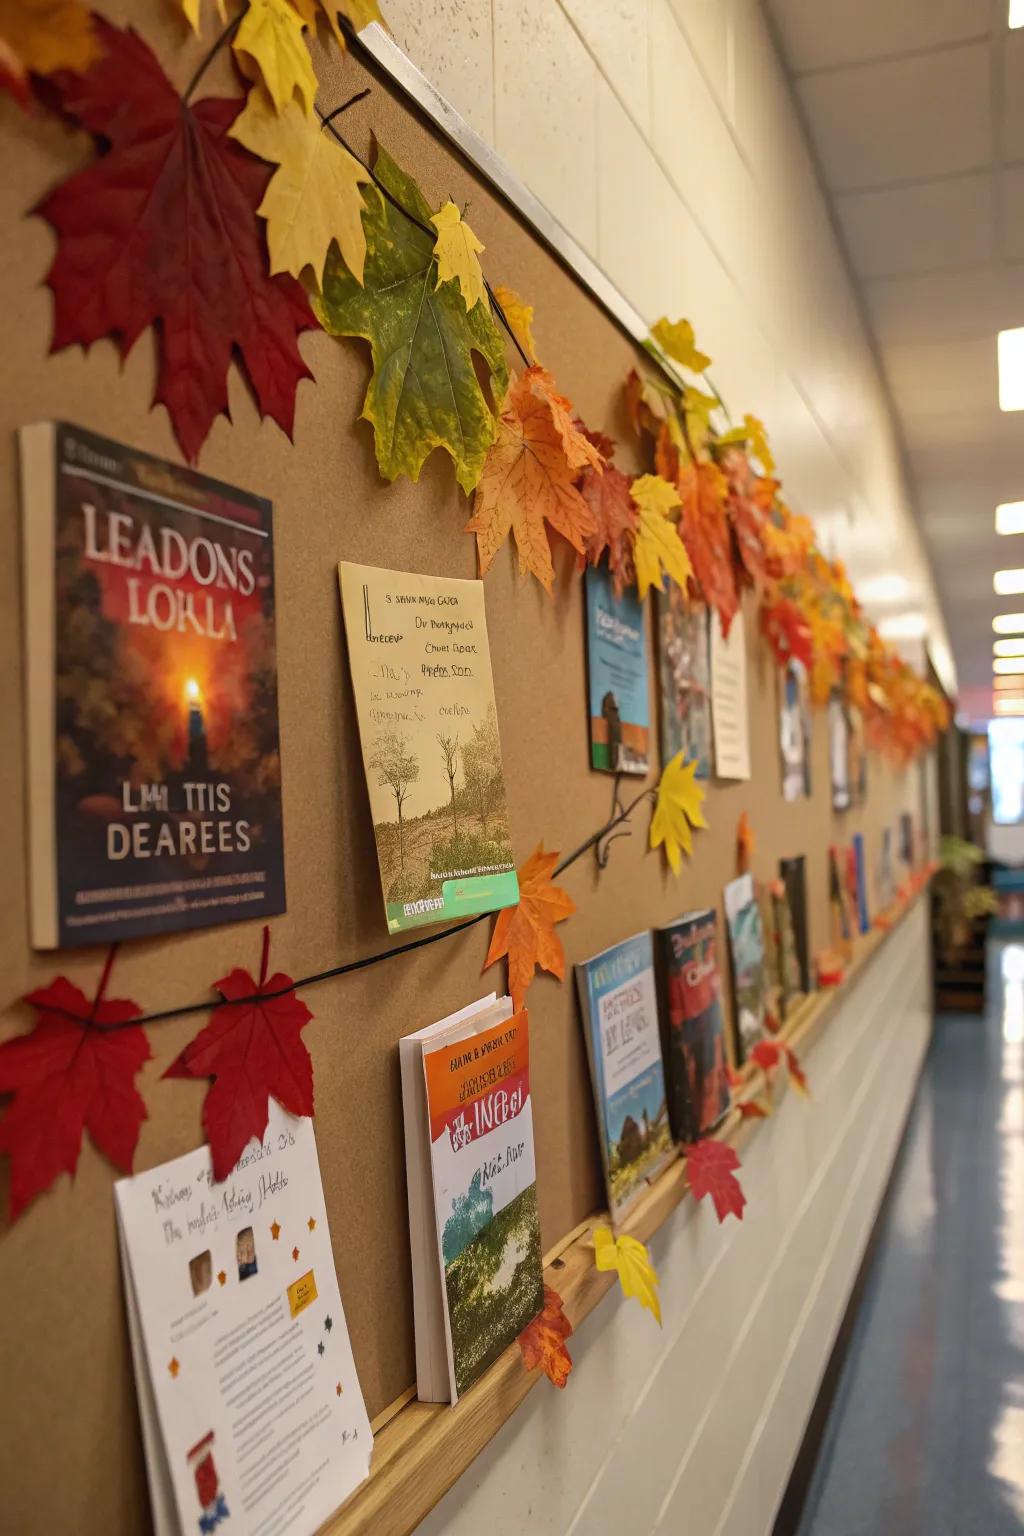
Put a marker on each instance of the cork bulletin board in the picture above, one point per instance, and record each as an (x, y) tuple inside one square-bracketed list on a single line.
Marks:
[(71, 1457)]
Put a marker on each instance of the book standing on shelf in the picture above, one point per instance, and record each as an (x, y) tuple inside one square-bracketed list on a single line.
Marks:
[(619, 1005), (746, 943), (616, 675), (693, 1032), (794, 877), (472, 1180), (154, 764), (684, 677)]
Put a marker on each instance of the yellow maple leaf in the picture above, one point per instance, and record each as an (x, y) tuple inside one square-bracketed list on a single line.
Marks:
[(313, 196), (677, 810), (192, 8), (519, 315), (628, 1256), (657, 550), (269, 46), (754, 434), (676, 340), (457, 250), (41, 36)]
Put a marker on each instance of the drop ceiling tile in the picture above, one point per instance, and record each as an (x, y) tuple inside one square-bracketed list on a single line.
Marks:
[(920, 228), (1011, 214), (945, 305), (1013, 96), (942, 378), (871, 29), (876, 124)]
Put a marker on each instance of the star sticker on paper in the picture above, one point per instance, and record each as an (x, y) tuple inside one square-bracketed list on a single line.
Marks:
[(295, 1254), (275, 1231), (311, 1223), (337, 1390), (328, 1324), (222, 1278), (320, 1347), (174, 1365)]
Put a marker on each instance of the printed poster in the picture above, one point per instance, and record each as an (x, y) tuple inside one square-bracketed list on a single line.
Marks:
[(729, 715), (617, 676), (684, 677), (795, 731)]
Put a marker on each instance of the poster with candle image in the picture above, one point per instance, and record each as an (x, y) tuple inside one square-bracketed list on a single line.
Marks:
[(154, 758)]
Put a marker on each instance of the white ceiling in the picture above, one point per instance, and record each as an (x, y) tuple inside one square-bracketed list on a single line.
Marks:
[(915, 110)]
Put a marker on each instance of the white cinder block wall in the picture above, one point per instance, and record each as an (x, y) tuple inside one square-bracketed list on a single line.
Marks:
[(662, 135)]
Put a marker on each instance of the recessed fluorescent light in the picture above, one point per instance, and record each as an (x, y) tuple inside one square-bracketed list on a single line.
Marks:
[(904, 626), (1008, 623), (1010, 346), (1005, 582), (1016, 16), (884, 589), (1005, 664), (1008, 706), (1008, 647), (1015, 681), (1010, 517)]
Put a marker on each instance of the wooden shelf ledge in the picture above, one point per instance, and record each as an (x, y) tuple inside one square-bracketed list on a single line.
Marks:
[(421, 1449)]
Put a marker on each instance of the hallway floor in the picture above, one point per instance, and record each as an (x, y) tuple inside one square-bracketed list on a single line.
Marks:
[(926, 1433)]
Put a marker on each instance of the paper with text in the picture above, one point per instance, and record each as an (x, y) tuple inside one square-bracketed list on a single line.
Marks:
[(729, 716)]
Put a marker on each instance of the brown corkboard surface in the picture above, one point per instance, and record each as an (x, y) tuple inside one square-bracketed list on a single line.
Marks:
[(71, 1457)]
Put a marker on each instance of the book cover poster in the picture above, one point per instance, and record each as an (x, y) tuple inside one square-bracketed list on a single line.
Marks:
[(746, 942), (839, 752), (729, 715), (906, 829), (858, 756), (784, 941), (696, 1064), (617, 676), (167, 763), (794, 877), (795, 731), (421, 674), (629, 1079), (684, 678), (860, 880), (485, 1192), (840, 909)]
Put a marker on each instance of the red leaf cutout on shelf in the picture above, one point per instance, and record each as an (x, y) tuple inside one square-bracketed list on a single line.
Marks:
[(74, 1072), (711, 1169), (766, 1054), (542, 1342), (797, 1075), (756, 1109), (162, 230), (254, 1051)]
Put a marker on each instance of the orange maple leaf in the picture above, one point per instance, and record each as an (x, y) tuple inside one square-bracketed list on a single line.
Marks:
[(616, 517), (526, 933), (542, 1342), (756, 1109), (745, 843), (705, 529), (528, 478)]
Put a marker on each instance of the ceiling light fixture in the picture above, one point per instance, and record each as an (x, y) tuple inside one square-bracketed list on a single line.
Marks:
[(1006, 664), (888, 588), (1008, 706), (1010, 517), (905, 626), (1008, 623), (1010, 345), (1016, 16), (1008, 647), (1015, 681), (1006, 582)]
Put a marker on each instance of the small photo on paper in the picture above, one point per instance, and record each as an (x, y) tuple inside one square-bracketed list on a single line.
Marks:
[(795, 732), (245, 1253), (200, 1272)]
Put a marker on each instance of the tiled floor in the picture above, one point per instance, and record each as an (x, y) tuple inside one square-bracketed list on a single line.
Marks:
[(926, 1435)]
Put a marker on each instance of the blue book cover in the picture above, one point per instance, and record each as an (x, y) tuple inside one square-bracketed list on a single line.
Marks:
[(863, 920), (618, 1000), (617, 673)]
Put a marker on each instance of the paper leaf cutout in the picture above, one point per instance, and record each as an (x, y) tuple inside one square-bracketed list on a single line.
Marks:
[(797, 1075), (519, 315), (526, 933), (313, 196), (711, 1169), (162, 230), (424, 392), (766, 1054), (529, 479), (658, 550), (616, 517), (677, 809), (269, 46), (756, 1109), (770, 1054), (788, 632), (457, 250), (630, 1259), (71, 1073), (676, 340), (745, 844), (254, 1051), (40, 37), (542, 1342), (754, 435), (705, 532)]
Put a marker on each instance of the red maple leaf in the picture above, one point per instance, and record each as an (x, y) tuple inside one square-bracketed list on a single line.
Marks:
[(705, 532), (754, 1109), (74, 1072), (253, 1050), (797, 1075), (162, 230), (766, 1054), (608, 496), (710, 1168), (788, 632), (542, 1342)]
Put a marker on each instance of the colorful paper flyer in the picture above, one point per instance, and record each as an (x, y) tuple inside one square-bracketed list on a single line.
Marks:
[(729, 713), (617, 676), (684, 676)]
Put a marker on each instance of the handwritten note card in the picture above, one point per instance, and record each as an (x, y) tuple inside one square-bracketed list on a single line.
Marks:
[(421, 674), (251, 1411)]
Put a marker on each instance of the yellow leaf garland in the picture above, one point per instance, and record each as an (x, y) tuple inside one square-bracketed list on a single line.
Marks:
[(677, 809), (519, 315), (457, 250), (313, 196), (630, 1259), (676, 340), (658, 550), (270, 46)]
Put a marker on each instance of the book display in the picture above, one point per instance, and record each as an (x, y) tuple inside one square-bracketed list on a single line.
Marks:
[(693, 1029), (747, 947), (616, 676)]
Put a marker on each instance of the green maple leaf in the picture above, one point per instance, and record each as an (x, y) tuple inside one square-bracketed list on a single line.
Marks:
[(424, 392)]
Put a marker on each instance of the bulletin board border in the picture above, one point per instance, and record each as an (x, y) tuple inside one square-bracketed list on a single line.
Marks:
[(420, 1450)]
